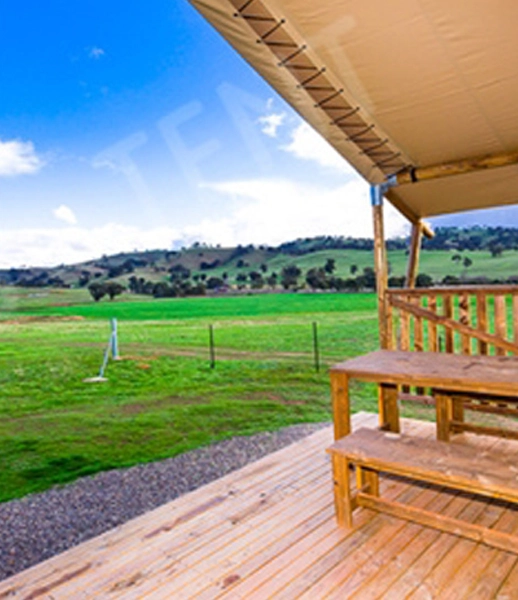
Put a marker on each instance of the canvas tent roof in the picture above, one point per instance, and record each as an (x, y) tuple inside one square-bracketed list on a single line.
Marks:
[(394, 85)]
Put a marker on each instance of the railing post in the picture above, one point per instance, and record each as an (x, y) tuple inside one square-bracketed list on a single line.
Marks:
[(413, 258)]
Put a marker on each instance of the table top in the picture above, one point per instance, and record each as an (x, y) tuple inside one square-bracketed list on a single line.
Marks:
[(455, 372)]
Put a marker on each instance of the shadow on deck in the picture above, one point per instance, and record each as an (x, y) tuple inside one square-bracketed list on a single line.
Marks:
[(268, 530)]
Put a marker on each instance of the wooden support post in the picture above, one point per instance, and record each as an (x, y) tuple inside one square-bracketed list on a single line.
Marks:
[(413, 259), (380, 265)]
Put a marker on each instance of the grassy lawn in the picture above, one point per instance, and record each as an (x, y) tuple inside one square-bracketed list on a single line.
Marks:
[(162, 398)]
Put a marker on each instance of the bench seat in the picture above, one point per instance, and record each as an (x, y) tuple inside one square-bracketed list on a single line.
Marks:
[(455, 466)]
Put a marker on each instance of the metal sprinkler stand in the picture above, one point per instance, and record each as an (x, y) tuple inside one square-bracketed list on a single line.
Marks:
[(112, 347)]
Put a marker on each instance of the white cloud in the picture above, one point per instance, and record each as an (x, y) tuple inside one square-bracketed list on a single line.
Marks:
[(307, 144), (271, 123), (66, 214), (265, 211), (18, 158), (274, 211), (49, 247), (96, 52)]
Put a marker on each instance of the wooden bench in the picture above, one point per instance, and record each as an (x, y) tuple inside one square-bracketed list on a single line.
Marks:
[(454, 466)]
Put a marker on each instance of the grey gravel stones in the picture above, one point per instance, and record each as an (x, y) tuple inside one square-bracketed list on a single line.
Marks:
[(39, 526)]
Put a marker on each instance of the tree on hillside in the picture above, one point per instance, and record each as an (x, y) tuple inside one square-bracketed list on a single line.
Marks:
[(256, 279), (354, 269), (466, 263), (423, 280), (179, 272), (317, 279), (496, 249), (113, 288), (456, 258), (97, 290), (289, 276), (271, 280), (330, 266), (214, 283)]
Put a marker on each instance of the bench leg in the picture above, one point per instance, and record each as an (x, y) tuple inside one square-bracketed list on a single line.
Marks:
[(342, 491), (367, 481), (444, 413)]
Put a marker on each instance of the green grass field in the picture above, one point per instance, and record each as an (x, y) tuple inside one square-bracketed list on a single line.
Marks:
[(162, 398)]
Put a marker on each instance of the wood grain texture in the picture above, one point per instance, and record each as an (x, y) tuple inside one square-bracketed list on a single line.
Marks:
[(275, 536)]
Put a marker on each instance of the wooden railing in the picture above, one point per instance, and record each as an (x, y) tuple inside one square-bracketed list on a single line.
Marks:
[(467, 320)]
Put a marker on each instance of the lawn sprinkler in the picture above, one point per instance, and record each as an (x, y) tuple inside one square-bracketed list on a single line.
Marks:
[(112, 347)]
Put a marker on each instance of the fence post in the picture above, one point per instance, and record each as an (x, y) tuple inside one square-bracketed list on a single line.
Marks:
[(315, 347), (211, 347)]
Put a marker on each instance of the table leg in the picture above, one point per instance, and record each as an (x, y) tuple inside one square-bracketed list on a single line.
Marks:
[(341, 405), (388, 407), (457, 411), (444, 413)]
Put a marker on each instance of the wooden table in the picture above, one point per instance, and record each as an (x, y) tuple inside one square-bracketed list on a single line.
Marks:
[(450, 376)]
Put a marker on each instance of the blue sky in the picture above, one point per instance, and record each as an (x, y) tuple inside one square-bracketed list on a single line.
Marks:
[(127, 125)]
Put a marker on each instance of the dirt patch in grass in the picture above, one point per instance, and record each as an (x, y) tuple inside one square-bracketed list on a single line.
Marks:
[(41, 319)]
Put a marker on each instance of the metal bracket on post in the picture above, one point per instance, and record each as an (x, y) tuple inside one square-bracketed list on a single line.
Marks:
[(379, 190), (380, 256)]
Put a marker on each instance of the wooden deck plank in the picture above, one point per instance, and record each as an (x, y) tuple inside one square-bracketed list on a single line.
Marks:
[(207, 557), (440, 551), (173, 518), (389, 572), (277, 567), (163, 546), (269, 531), (471, 559)]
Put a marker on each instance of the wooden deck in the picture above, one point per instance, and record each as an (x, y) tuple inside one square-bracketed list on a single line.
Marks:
[(268, 531)]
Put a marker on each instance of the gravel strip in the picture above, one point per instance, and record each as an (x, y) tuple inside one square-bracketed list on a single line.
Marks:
[(39, 526)]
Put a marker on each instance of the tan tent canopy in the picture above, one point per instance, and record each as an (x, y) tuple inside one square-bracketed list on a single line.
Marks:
[(396, 88)]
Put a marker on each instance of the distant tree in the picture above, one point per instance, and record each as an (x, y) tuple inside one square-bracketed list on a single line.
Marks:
[(271, 280), (256, 279), (466, 263), (264, 267), (353, 269), (179, 272), (330, 266), (162, 290), (113, 288), (214, 283), (396, 281), (289, 276), (496, 249), (317, 279), (97, 290), (456, 258), (423, 281), (241, 277)]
